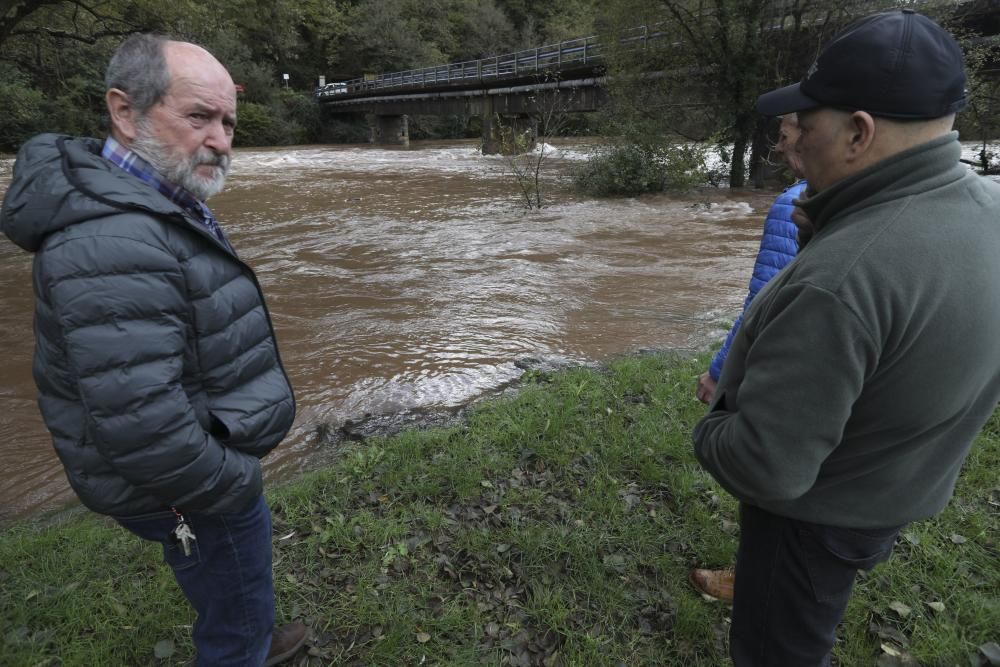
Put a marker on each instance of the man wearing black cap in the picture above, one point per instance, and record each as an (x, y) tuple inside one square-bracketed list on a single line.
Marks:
[(863, 372)]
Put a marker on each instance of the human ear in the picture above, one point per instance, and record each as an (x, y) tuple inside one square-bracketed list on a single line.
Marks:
[(862, 133), (123, 116)]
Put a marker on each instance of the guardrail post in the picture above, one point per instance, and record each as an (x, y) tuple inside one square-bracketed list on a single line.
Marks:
[(536, 58), (586, 43)]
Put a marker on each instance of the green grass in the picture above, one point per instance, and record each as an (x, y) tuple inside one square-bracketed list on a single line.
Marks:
[(555, 527)]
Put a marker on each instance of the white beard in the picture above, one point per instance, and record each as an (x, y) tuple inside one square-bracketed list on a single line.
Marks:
[(181, 171)]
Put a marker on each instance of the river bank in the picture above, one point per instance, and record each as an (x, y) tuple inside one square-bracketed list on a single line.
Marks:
[(411, 280), (549, 527)]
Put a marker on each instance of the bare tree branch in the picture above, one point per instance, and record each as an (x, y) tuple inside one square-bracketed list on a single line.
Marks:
[(92, 38)]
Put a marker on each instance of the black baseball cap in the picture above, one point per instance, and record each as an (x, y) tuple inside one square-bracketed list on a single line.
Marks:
[(896, 64)]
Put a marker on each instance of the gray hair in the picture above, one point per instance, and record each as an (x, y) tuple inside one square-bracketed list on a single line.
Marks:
[(139, 68)]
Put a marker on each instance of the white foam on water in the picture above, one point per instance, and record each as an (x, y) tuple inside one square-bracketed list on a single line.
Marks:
[(723, 210)]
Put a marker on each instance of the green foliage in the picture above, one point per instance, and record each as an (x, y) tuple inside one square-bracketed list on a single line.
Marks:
[(302, 116), (702, 73), (290, 118), (255, 125), (53, 54), (633, 169), (24, 113)]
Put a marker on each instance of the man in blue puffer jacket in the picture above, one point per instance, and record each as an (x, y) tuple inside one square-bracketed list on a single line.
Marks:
[(156, 363), (778, 247)]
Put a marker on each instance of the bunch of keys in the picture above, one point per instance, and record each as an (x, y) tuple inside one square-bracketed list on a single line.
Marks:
[(182, 533)]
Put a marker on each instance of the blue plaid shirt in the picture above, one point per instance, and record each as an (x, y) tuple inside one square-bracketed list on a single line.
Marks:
[(122, 157)]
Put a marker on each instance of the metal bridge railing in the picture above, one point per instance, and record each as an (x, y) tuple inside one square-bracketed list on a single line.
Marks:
[(579, 51)]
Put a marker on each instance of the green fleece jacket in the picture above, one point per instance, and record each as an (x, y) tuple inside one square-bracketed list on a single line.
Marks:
[(863, 372)]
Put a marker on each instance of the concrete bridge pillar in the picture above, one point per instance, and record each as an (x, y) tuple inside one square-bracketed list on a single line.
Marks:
[(389, 130), (509, 134)]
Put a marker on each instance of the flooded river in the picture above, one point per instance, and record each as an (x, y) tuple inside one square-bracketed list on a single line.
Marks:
[(411, 279)]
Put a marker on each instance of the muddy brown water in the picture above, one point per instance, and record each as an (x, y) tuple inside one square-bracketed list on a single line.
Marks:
[(411, 279)]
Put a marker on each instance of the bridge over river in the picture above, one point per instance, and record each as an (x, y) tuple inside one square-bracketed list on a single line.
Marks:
[(510, 92), (507, 91)]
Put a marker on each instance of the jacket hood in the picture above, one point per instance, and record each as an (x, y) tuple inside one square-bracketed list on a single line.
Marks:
[(55, 184)]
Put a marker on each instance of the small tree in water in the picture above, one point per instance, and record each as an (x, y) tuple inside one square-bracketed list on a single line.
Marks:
[(524, 162), (526, 151)]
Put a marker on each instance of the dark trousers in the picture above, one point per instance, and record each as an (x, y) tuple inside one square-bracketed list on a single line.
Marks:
[(227, 579), (793, 581)]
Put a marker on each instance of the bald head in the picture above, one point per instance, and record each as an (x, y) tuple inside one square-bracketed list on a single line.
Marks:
[(191, 63)]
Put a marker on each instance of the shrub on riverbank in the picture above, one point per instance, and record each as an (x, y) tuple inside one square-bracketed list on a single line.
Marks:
[(633, 169), (286, 119), (553, 528)]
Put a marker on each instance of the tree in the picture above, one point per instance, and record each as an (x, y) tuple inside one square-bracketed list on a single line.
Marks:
[(695, 68), (525, 147), (980, 120)]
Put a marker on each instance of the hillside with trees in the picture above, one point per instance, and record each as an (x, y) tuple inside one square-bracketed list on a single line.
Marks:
[(695, 76), (53, 52)]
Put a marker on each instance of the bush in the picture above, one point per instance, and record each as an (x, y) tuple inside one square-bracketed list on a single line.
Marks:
[(302, 118), (290, 118), (23, 117), (632, 169), (255, 125)]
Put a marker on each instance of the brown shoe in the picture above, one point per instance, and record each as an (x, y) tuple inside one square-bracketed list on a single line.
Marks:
[(714, 583), (285, 642)]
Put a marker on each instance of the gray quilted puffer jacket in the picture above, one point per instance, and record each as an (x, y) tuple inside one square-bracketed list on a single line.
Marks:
[(155, 359)]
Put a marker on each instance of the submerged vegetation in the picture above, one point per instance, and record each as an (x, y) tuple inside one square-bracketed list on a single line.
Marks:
[(553, 527), (633, 169)]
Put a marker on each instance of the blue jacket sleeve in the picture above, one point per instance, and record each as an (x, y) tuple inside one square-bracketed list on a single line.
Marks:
[(778, 246)]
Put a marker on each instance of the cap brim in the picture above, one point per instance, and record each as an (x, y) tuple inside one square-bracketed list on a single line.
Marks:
[(785, 100)]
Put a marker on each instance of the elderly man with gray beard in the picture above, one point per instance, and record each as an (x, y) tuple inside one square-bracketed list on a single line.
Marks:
[(156, 362)]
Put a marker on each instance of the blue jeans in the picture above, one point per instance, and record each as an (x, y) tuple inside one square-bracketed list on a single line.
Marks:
[(793, 581), (227, 579)]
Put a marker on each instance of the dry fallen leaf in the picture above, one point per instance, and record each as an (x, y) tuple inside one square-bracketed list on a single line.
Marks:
[(958, 539), (423, 637), (891, 650), (936, 606), (900, 608), (163, 649)]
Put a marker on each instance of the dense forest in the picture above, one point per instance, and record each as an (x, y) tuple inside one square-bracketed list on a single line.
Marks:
[(698, 82)]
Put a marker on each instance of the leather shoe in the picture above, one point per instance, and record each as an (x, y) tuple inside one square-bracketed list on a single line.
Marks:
[(714, 583), (285, 642)]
